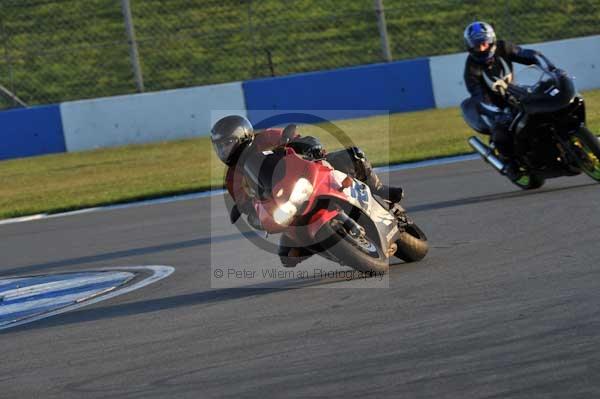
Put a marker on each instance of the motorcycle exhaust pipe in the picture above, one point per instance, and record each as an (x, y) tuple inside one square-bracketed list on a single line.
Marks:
[(486, 153)]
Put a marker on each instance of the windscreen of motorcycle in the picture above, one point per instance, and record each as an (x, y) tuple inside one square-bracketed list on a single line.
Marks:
[(263, 169), (547, 91)]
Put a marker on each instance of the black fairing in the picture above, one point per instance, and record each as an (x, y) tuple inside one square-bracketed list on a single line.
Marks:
[(548, 111), (472, 116), (548, 96), (538, 134), (263, 169)]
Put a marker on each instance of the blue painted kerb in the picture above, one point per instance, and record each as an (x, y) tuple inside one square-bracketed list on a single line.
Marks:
[(31, 131)]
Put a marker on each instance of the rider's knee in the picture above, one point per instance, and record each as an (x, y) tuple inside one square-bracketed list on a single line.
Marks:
[(352, 161), (362, 166)]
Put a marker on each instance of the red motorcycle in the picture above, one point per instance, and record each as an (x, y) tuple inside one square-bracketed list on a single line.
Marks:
[(330, 213)]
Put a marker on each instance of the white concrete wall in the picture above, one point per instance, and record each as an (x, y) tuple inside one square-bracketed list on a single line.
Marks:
[(580, 57), (183, 113), (147, 117)]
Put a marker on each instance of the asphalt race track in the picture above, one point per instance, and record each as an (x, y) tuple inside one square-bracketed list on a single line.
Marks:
[(506, 305)]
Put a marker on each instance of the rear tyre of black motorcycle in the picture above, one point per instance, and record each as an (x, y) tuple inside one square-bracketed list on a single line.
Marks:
[(526, 181), (412, 244), (343, 247), (588, 154), (529, 182)]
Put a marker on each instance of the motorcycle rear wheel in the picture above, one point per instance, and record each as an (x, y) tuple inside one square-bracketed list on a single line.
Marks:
[(412, 244), (587, 152), (362, 255), (529, 182)]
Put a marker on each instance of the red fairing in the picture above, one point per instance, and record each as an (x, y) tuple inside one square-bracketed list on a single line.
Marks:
[(318, 173)]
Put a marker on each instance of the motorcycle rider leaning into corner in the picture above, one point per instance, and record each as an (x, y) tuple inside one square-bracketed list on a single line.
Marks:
[(234, 139), (492, 58)]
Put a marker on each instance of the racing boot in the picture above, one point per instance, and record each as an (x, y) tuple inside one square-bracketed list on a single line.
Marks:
[(388, 193), (354, 162)]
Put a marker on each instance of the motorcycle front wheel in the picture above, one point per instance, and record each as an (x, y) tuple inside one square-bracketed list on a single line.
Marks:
[(586, 148)]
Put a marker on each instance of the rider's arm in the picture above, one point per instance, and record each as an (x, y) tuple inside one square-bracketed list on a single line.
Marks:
[(303, 145), (308, 146), (234, 182), (520, 55), (238, 189)]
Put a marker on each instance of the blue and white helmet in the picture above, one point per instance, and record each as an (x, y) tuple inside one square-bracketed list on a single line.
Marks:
[(477, 33)]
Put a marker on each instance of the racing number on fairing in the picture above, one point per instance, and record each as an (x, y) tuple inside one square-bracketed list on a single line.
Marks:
[(378, 214), (356, 191)]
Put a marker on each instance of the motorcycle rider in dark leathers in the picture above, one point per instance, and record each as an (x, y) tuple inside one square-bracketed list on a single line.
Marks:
[(234, 139), (492, 58)]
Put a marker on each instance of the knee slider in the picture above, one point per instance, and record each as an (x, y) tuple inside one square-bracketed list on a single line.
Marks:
[(362, 166)]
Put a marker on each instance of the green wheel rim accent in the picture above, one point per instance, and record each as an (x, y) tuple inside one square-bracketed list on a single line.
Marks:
[(591, 163), (523, 180)]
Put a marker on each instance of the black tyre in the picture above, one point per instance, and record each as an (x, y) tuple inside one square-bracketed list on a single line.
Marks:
[(412, 244), (526, 181), (529, 182), (363, 255), (586, 149)]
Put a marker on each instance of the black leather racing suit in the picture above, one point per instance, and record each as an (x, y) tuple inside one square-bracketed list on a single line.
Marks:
[(482, 93)]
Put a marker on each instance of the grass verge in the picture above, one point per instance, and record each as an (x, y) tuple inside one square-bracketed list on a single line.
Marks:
[(59, 50), (63, 182)]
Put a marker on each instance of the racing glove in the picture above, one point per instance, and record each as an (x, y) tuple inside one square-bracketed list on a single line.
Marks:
[(308, 146)]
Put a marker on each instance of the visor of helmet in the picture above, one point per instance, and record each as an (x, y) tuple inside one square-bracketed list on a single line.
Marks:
[(483, 48), (225, 148)]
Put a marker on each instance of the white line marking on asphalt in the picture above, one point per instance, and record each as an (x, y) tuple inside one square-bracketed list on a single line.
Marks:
[(159, 272)]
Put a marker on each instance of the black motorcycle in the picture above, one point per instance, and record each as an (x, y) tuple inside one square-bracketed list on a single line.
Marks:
[(547, 123)]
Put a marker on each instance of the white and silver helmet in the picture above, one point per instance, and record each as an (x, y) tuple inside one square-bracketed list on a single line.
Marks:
[(229, 135)]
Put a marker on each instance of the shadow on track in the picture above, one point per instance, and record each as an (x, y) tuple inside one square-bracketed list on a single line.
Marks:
[(492, 197), (177, 301), (232, 237), (121, 254)]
